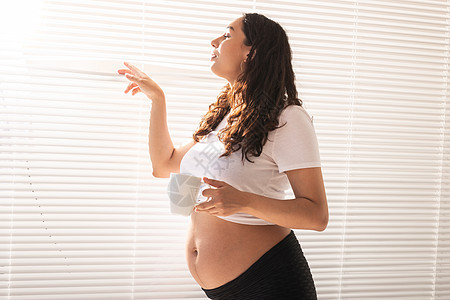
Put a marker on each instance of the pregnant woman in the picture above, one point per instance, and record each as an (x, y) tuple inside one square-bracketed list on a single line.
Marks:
[(260, 141)]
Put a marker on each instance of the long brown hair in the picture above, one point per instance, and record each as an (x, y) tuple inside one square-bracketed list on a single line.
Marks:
[(264, 88)]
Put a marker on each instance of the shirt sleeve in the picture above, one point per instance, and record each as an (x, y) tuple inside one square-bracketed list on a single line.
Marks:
[(295, 144)]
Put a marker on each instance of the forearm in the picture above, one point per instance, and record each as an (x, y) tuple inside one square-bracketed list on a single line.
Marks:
[(298, 213), (160, 143)]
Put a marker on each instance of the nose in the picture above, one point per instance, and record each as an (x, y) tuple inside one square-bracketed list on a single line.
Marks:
[(215, 42)]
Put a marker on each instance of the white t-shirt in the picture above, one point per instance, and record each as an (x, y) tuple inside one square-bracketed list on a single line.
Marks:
[(293, 146)]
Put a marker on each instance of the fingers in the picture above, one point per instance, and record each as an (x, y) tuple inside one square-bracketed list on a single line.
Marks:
[(201, 208), (140, 82), (206, 205), (123, 71), (135, 91), (128, 74), (212, 210), (134, 69), (133, 86), (132, 77), (130, 86)]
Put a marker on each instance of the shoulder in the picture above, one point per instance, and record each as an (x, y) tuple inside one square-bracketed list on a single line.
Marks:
[(295, 113)]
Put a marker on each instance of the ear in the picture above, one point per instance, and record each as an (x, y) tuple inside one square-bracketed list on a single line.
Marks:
[(247, 53)]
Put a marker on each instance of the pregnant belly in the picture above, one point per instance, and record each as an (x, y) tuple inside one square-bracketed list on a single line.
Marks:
[(217, 251)]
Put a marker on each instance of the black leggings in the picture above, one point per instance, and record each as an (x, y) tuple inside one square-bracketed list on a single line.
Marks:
[(282, 273)]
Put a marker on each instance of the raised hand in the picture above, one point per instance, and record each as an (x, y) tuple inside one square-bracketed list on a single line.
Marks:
[(140, 82)]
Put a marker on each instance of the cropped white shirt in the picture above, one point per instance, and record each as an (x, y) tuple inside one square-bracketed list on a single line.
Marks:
[(293, 146)]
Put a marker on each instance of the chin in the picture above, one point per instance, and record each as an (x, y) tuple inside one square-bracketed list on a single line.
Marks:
[(213, 67), (215, 71)]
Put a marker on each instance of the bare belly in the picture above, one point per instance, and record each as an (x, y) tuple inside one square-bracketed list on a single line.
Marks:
[(218, 251)]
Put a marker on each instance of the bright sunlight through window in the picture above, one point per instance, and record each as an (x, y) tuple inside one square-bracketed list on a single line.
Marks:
[(19, 19)]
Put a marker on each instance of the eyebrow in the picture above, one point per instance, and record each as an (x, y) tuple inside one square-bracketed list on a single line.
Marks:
[(231, 27)]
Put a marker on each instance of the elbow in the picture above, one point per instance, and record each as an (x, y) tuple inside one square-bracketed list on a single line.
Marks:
[(316, 219), (318, 223), (322, 226), (322, 222), (322, 215), (158, 174), (155, 174)]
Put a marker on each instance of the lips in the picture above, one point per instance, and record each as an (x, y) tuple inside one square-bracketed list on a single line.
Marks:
[(213, 55)]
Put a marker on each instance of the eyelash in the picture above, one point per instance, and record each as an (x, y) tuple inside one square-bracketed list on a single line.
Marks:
[(226, 36)]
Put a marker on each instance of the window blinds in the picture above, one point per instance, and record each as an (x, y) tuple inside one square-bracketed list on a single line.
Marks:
[(83, 218)]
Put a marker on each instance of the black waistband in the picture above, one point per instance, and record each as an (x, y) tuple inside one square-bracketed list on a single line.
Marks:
[(279, 269)]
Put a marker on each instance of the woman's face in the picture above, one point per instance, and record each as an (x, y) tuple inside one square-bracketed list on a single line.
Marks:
[(229, 52)]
